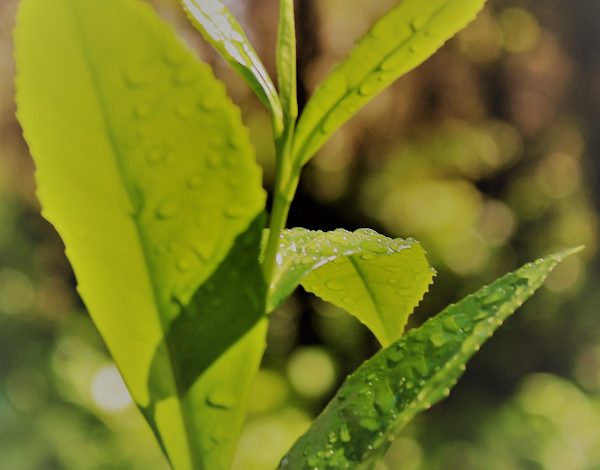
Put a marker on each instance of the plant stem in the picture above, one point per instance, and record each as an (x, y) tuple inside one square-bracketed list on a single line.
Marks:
[(286, 182)]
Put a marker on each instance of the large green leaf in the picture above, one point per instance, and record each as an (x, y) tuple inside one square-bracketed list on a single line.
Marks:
[(377, 279), (146, 171), (216, 346), (220, 28), (400, 41), (387, 391)]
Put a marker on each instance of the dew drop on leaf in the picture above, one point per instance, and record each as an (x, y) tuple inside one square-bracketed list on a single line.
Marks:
[(370, 424), (167, 210), (234, 211), (135, 77), (155, 156), (222, 398), (142, 110), (184, 111), (335, 285), (438, 339), (184, 77), (194, 182), (184, 264), (344, 433), (173, 54), (214, 160)]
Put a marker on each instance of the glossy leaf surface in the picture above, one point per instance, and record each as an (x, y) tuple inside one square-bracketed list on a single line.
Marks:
[(220, 28), (146, 171), (400, 41), (377, 279), (387, 391)]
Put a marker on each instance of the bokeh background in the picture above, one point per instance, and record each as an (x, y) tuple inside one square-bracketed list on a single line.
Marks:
[(489, 154)]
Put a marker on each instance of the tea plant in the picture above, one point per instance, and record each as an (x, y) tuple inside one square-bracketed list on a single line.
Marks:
[(146, 170)]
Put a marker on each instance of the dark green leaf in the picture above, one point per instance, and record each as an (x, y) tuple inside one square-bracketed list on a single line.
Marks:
[(387, 391)]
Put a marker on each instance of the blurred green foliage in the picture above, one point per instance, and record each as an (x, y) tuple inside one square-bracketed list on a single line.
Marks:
[(482, 154)]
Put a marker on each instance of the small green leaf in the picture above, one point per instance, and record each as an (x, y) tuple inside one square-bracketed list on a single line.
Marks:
[(400, 41), (220, 28), (377, 279), (286, 61), (147, 173), (387, 391)]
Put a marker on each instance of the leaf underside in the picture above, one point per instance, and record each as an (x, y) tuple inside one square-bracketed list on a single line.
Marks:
[(387, 391), (400, 41), (146, 171), (377, 279), (220, 28)]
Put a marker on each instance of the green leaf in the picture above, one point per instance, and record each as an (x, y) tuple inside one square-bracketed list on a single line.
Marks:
[(145, 170), (387, 391), (377, 279), (220, 28), (400, 41), (216, 346), (286, 61)]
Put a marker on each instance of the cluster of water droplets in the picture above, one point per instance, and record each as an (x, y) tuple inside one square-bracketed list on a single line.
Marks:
[(307, 248)]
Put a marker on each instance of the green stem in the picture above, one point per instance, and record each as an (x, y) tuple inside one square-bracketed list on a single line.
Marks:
[(286, 182)]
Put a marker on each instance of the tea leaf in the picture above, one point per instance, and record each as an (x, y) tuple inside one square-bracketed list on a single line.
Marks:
[(286, 61), (216, 346), (400, 41), (387, 391), (145, 170), (220, 28), (377, 279)]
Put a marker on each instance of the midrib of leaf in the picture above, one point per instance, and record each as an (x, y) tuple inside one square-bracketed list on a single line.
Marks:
[(182, 401), (301, 155), (370, 292)]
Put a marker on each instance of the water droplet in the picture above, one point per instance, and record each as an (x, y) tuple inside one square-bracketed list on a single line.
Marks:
[(194, 182), (370, 424), (207, 103), (234, 211), (155, 156), (184, 264), (142, 110), (222, 398), (167, 210), (483, 330), (185, 76), (450, 325), (367, 256), (135, 77), (184, 111), (438, 339), (344, 433), (392, 281), (493, 297), (173, 54), (370, 86), (335, 285), (214, 160), (418, 22)]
